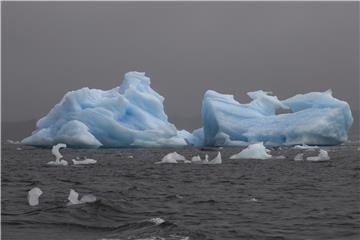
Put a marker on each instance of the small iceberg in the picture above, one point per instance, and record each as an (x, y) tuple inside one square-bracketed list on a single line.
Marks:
[(253, 151), (173, 157), (323, 156), (157, 221), (84, 162), (13, 142), (196, 159), (56, 152), (33, 196), (216, 160), (299, 157), (74, 198), (304, 146), (253, 200)]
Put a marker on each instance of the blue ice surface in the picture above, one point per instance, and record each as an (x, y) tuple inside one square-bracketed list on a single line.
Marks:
[(131, 115), (315, 118)]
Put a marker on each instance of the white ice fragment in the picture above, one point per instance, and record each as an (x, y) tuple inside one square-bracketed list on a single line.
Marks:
[(74, 198), (279, 157), (253, 200), (130, 156), (323, 156), (299, 157), (84, 162), (216, 160), (253, 151), (13, 142), (157, 220), (56, 152), (19, 148), (88, 198), (196, 159), (173, 157), (304, 146), (33, 196)]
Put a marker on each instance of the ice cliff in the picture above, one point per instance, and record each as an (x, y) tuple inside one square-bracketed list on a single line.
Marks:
[(131, 115), (315, 118)]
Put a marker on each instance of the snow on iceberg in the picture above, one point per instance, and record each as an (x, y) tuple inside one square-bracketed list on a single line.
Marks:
[(317, 118), (253, 151), (131, 115)]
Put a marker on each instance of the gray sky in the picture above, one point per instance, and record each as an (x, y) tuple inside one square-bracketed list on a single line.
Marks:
[(186, 48)]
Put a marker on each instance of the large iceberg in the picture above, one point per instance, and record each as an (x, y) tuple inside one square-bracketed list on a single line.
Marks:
[(315, 118), (131, 115)]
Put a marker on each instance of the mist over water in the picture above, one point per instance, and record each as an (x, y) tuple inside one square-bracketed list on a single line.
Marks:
[(137, 199)]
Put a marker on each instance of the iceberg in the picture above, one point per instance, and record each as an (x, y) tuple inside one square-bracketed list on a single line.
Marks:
[(56, 152), (74, 198), (299, 157), (86, 161), (173, 157), (323, 156), (33, 196), (253, 151), (131, 115), (317, 118)]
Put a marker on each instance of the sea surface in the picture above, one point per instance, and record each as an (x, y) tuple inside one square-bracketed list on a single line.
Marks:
[(137, 199)]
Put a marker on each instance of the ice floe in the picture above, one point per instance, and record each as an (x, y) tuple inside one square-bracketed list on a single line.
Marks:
[(84, 162), (33, 196), (253, 151), (306, 147), (323, 156), (74, 198)]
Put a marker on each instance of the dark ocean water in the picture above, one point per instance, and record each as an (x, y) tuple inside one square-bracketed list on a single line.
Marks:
[(295, 200)]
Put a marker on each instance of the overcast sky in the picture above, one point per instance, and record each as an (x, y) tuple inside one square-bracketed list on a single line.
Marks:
[(49, 48)]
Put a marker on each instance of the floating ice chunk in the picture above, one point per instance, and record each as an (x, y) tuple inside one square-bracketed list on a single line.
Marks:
[(74, 198), (299, 157), (173, 157), (253, 151), (56, 152), (131, 115), (196, 159), (130, 156), (216, 160), (19, 148), (13, 142), (33, 196), (278, 157), (323, 156), (317, 118), (157, 220), (84, 162), (304, 146), (253, 200)]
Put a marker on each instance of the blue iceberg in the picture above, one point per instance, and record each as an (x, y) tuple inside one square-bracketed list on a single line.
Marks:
[(315, 118), (131, 115)]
